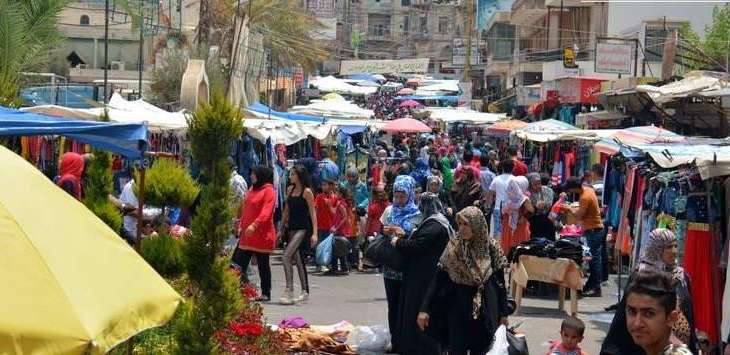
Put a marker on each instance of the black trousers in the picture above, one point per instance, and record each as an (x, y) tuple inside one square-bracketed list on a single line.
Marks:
[(264, 269), (392, 294)]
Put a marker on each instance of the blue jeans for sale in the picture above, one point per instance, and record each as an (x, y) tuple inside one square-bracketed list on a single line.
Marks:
[(595, 238)]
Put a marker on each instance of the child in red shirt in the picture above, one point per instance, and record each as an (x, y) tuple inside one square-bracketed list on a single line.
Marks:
[(571, 334), (342, 229), (325, 204)]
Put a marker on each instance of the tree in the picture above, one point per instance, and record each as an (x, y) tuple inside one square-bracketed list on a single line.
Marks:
[(713, 51), (27, 35), (287, 29), (216, 298), (99, 184)]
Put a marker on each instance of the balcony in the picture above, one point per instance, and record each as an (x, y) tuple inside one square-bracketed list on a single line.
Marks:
[(380, 37), (420, 36), (528, 12)]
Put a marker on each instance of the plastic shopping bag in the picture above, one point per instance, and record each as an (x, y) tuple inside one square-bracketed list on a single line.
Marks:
[(500, 346), (323, 256), (369, 340)]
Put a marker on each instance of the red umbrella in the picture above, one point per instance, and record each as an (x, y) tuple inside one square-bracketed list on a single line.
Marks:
[(407, 125), (410, 103), (406, 91)]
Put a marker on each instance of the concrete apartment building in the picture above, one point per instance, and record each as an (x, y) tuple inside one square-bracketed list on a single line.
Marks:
[(82, 23), (534, 33), (397, 29)]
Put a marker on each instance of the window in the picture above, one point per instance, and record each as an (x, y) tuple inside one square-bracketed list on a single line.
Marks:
[(424, 25), (443, 25), (405, 2), (379, 25), (406, 24), (84, 21)]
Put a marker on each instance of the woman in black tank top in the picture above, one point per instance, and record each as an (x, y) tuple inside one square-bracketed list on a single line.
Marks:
[(300, 222)]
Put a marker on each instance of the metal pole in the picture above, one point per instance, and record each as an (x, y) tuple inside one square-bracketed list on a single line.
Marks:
[(106, 50), (636, 57), (141, 46)]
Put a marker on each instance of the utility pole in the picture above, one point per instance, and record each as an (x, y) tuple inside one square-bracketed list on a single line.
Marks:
[(106, 50), (141, 44), (560, 26), (469, 30)]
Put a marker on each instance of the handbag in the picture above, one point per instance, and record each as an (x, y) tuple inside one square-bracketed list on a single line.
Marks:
[(382, 252), (517, 343)]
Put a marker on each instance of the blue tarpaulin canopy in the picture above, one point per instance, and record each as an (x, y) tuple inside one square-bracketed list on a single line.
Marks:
[(353, 129), (127, 139), (451, 98), (263, 109)]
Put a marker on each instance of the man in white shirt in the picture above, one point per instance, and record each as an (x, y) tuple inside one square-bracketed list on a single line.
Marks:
[(426, 150), (128, 198), (498, 193)]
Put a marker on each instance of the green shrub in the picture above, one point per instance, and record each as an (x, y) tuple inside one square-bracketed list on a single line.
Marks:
[(167, 183), (108, 213), (164, 254)]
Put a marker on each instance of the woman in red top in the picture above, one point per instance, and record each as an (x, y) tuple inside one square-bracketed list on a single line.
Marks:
[(256, 231)]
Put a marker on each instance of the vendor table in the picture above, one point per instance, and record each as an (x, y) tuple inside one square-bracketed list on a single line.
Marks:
[(562, 272)]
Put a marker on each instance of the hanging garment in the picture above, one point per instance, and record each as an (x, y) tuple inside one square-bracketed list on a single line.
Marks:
[(701, 266), (726, 299), (623, 238)]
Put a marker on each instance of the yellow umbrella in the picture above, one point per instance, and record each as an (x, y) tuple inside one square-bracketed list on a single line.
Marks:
[(70, 284), (333, 96)]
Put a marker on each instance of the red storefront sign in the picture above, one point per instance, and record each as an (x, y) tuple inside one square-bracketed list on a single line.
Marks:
[(579, 90)]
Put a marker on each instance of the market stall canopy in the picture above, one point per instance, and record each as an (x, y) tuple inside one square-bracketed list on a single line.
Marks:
[(127, 139), (710, 156), (333, 109), (285, 132), (262, 111), (332, 84), (333, 96), (450, 115), (439, 85), (504, 128), (553, 130), (637, 137), (73, 286), (694, 83), (121, 111), (600, 120), (410, 103), (449, 98), (406, 91), (406, 125)]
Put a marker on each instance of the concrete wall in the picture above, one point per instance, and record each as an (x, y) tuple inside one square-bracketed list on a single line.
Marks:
[(622, 16)]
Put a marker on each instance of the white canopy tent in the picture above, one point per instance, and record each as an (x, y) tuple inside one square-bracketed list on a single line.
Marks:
[(333, 109), (332, 84), (451, 115), (121, 111), (553, 130)]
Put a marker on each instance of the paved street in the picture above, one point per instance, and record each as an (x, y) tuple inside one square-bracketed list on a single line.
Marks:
[(360, 299)]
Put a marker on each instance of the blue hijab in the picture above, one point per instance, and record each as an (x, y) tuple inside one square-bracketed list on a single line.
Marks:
[(401, 215), (421, 172)]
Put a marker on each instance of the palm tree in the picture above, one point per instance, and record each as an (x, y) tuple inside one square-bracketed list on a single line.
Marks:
[(28, 34), (287, 29)]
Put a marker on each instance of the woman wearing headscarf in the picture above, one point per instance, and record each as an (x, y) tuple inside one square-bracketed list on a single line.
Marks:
[(421, 173), (541, 198), (422, 251), (399, 220), (466, 189), (257, 234), (445, 164), (659, 254), (467, 299), (70, 171), (435, 185), (515, 226)]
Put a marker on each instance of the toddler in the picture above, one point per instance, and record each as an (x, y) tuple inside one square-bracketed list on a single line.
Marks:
[(571, 334)]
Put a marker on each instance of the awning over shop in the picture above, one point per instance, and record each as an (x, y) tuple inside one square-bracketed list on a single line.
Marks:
[(127, 139), (553, 130), (694, 83), (504, 128), (332, 84), (637, 137), (711, 159), (450, 115)]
